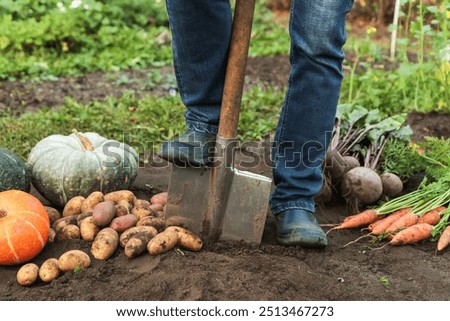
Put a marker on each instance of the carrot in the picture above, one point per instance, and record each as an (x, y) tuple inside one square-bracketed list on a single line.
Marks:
[(403, 222), (411, 234), (444, 239), (351, 217), (380, 227), (361, 219), (432, 217)]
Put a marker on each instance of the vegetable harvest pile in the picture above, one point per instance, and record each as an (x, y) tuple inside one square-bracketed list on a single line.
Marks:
[(108, 221), (418, 215), (353, 164), (87, 178)]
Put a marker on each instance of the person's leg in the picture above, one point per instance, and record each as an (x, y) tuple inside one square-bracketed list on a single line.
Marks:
[(201, 32), (317, 30)]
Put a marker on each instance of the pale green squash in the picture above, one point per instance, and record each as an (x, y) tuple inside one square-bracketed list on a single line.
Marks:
[(66, 166)]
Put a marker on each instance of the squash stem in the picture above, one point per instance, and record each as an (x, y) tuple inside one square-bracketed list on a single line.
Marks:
[(87, 145), (3, 213)]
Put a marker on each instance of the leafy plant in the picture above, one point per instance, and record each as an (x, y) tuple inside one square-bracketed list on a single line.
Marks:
[(58, 38), (78, 269), (402, 158), (384, 281)]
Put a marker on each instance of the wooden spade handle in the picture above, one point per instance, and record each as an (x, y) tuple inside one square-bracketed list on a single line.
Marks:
[(237, 62)]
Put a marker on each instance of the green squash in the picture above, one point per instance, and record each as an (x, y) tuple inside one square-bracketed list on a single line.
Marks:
[(14, 173), (63, 167)]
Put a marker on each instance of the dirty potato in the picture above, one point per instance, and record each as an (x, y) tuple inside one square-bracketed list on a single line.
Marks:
[(140, 203), (82, 216), (51, 235), (186, 239), (73, 259), (73, 206), (27, 274), (140, 212), (125, 236), (156, 208), (105, 244), (123, 223), (53, 214), (104, 213), (88, 229), (117, 196), (157, 222), (64, 221), (137, 244), (91, 201), (49, 270), (68, 232), (123, 208), (162, 242), (160, 198)]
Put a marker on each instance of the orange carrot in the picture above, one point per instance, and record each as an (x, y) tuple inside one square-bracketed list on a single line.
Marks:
[(380, 227), (351, 217), (361, 219), (411, 234), (444, 239), (403, 222), (432, 217)]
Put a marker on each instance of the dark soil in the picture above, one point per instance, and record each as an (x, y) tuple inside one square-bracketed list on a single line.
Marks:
[(233, 270)]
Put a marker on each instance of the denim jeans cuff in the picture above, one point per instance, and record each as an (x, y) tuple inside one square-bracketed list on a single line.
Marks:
[(202, 127), (302, 205)]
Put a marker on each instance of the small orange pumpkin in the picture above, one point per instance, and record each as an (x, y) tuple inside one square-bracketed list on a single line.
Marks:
[(24, 227)]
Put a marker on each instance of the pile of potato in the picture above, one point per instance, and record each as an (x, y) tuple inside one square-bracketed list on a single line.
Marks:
[(109, 221)]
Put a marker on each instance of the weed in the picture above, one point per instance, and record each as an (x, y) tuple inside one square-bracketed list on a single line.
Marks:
[(384, 281)]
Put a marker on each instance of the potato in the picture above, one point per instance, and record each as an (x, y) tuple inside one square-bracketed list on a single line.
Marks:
[(137, 244), (53, 214), (162, 242), (28, 274), (88, 229), (140, 212), (125, 236), (160, 198), (160, 214), (82, 216), (116, 196), (187, 239), (157, 222), (105, 244), (123, 223), (51, 235), (64, 221), (73, 206), (91, 201), (125, 204), (73, 259), (68, 232), (156, 208), (103, 213), (123, 208), (49, 270), (140, 203)]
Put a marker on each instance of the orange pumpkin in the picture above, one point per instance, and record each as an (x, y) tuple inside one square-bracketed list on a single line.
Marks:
[(24, 227)]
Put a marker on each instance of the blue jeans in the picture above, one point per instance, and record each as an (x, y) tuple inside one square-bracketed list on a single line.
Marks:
[(201, 31)]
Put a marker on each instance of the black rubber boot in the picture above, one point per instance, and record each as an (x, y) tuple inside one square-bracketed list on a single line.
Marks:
[(189, 149), (299, 227)]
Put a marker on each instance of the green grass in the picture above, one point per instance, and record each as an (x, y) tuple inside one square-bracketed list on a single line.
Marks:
[(45, 40), (142, 123)]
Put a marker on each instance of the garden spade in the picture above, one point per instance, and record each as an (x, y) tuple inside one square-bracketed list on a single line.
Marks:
[(221, 201)]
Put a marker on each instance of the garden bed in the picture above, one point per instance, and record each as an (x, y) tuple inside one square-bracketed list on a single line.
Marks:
[(234, 270)]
